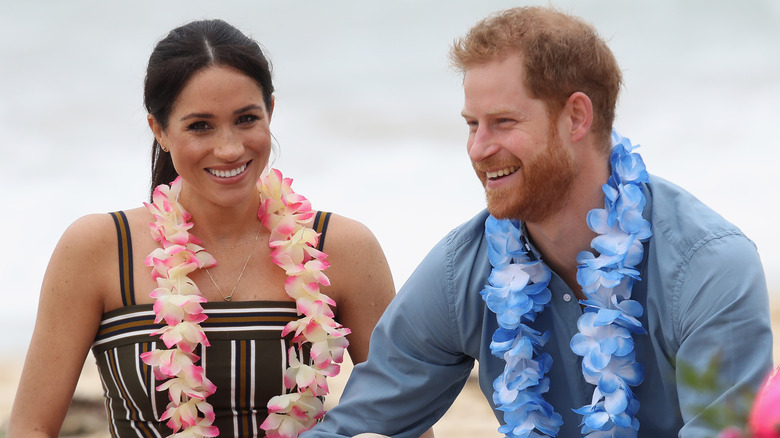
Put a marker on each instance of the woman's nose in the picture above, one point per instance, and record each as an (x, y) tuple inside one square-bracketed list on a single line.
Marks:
[(230, 147)]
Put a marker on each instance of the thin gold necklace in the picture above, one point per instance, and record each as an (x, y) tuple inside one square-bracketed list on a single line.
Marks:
[(246, 263), (234, 246)]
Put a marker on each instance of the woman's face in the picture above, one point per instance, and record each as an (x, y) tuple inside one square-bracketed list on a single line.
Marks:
[(219, 137)]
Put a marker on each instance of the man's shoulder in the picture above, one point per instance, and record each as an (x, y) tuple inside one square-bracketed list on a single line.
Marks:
[(459, 249), (684, 221), (467, 232)]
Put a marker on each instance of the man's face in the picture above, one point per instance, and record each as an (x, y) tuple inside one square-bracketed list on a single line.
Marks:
[(513, 144)]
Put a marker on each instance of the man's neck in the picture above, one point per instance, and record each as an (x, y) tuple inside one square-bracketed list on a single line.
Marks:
[(559, 245), (565, 234)]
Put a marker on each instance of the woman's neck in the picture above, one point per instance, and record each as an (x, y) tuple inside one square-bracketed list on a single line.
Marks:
[(219, 227)]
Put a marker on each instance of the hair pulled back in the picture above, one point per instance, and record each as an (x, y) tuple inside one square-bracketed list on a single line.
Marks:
[(185, 51)]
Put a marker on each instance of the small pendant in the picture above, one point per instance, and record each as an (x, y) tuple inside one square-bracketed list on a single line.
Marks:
[(227, 298)]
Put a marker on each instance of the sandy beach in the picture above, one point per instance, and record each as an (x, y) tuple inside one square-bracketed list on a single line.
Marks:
[(468, 417)]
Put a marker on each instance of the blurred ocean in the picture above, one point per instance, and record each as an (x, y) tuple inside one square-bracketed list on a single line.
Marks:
[(367, 114)]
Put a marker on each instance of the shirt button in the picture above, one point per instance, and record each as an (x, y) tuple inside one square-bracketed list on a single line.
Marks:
[(566, 297)]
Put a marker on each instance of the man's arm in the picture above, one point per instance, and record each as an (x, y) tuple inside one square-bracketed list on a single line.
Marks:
[(415, 367), (724, 313)]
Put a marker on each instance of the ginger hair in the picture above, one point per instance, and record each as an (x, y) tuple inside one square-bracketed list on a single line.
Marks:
[(562, 55)]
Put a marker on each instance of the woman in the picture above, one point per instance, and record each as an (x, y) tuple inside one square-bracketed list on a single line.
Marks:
[(170, 360)]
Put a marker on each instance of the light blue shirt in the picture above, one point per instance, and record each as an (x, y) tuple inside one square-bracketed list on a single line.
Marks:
[(703, 291)]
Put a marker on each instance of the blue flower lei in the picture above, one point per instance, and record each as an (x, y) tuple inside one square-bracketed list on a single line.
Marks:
[(517, 291)]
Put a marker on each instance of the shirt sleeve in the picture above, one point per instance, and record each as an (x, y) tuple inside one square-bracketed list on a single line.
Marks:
[(722, 317), (415, 367)]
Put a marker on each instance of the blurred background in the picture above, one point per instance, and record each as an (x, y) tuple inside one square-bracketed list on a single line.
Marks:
[(367, 117)]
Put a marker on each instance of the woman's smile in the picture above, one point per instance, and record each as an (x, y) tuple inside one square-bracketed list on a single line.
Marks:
[(230, 172)]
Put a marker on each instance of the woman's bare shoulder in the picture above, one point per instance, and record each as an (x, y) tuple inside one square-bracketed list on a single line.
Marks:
[(93, 238), (354, 253), (344, 234), (89, 231)]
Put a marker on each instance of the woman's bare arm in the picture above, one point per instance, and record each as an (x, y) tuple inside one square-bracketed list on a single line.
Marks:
[(69, 313)]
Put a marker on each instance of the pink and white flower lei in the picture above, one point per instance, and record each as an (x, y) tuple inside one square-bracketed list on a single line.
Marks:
[(178, 302), (286, 214)]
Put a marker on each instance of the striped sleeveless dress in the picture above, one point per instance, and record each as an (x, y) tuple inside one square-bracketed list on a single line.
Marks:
[(246, 359)]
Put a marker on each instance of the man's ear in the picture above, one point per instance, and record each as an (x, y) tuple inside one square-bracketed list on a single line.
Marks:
[(579, 110)]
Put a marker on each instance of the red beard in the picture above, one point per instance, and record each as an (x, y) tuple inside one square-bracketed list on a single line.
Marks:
[(543, 188)]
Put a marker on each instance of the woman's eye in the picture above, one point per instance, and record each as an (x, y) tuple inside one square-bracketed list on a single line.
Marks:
[(247, 118), (198, 126)]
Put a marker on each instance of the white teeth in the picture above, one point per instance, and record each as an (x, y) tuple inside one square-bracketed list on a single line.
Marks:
[(502, 172), (227, 173)]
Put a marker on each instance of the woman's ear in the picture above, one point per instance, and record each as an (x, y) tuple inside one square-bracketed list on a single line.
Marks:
[(156, 130), (579, 110), (271, 110)]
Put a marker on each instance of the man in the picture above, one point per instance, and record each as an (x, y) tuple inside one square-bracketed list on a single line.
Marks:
[(588, 288)]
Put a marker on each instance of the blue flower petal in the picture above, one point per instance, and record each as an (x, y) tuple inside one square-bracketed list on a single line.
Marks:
[(616, 405), (609, 383), (502, 341), (634, 253), (597, 420), (621, 420), (631, 308), (596, 360), (606, 316), (598, 220), (581, 344), (615, 242)]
